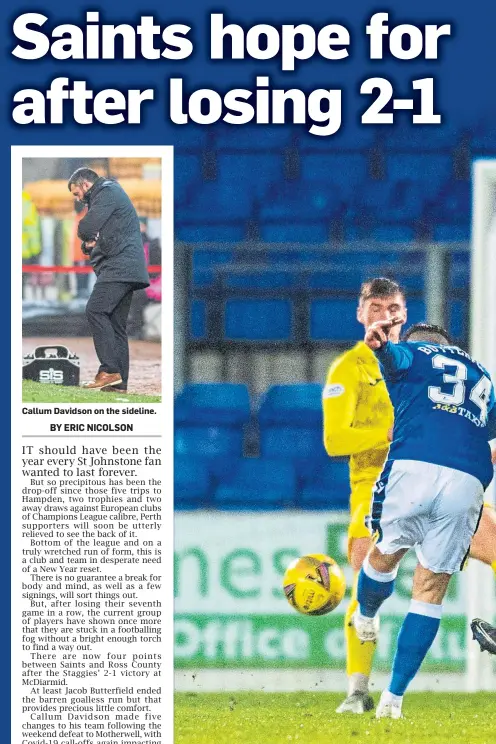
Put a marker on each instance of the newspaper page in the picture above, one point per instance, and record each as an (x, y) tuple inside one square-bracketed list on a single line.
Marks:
[(90, 498)]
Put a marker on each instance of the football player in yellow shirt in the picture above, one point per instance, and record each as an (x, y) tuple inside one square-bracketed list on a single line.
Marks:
[(358, 421)]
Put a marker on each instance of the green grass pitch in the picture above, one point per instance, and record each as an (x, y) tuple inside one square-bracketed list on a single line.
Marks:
[(36, 392), (309, 718)]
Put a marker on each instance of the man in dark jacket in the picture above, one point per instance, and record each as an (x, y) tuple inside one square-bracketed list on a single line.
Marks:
[(111, 237)]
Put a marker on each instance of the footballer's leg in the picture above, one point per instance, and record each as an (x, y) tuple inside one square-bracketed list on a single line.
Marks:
[(483, 545), (441, 526), (359, 655), (415, 638)]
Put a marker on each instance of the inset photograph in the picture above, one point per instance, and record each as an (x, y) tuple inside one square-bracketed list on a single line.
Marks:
[(91, 279)]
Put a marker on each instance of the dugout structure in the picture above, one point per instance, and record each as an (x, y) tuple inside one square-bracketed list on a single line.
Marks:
[(481, 596)]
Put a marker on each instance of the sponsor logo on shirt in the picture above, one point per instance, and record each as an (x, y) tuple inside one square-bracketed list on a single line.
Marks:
[(333, 391)]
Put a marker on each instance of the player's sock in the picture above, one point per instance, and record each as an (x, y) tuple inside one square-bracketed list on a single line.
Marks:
[(415, 638), (373, 588), (359, 655), (493, 566)]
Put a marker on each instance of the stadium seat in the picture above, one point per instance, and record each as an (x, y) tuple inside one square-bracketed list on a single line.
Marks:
[(294, 404), (290, 420), (295, 232), (451, 233), (346, 170), (218, 447), (296, 201), (187, 170), (217, 204), (263, 277), (198, 320), (328, 487), (458, 319), (258, 320), (393, 233), (460, 269), (392, 201), (334, 320), (204, 264), (249, 174), (213, 403), (340, 278), (450, 212), (257, 484), (210, 233), (209, 420), (416, 312), (348, 138), (430, 170), (408, 137), (483, 141), (189, 138), (251, 138), (192, 484)]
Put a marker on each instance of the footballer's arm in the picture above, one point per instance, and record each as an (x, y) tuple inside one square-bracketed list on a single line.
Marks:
[(340, 399)]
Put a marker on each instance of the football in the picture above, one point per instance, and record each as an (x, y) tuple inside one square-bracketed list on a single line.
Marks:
[(314, 584)]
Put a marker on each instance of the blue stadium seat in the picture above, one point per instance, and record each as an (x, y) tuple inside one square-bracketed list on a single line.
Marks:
[(249, 174), (251, 137), (328, 487), (215, 204), (386, 211), (460, 269), (347, 138), (294, 232), (483, 141), (258, 483), (258, 320), (347, 171), (300, 445), (189, 138), (187, 170), (198, 320), (192, 484), (451, 233), (430, 170), (408, 137), (334, 320), (204, 264), (290, 420), (393, 233), (213, 403), (296, 201), (416, 312), (211, 442), (209, 420), (319, 257), (389, 201), (263, 277), (451, 212), (210, 233), (458, 319), (297, 404), (340, 278)]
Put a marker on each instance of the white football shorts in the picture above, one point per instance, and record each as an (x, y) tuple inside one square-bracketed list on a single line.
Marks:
[(431, 508)]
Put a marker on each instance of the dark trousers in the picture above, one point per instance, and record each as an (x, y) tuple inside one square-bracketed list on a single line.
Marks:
[(107, 311)]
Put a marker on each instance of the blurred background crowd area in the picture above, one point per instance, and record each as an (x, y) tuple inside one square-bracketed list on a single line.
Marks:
[(57, 276), (275, 232)]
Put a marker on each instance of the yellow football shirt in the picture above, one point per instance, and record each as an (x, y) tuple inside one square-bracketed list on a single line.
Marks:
[(357, 413)]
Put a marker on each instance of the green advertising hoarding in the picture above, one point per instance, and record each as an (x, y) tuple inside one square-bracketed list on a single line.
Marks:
[(230, 610)]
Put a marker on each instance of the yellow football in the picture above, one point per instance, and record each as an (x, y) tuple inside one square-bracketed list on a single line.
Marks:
[(314, 584)]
